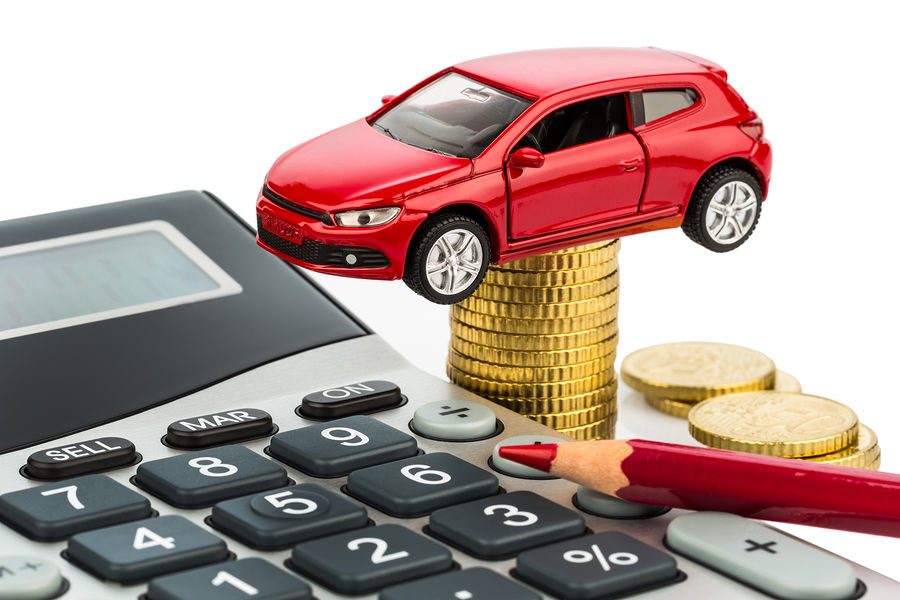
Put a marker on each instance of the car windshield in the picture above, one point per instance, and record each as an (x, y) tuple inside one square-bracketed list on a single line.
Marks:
[(452, 115)]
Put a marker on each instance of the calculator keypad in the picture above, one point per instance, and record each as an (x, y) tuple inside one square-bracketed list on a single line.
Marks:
[(207, 476), (477, 583), (28, 578), (238, 580), (57, 510), (421, 484), (279, 518)]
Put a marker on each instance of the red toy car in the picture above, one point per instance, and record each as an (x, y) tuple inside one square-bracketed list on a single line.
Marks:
[(512, 155)]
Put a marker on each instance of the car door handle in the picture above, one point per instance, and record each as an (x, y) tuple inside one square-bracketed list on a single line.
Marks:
[(630, 165)]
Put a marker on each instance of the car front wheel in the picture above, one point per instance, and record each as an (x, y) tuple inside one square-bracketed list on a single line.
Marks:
[(724, 209), (448, 259)]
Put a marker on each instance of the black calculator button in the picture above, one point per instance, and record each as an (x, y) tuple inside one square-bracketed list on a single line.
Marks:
[(504, 525), (29, 578), (351, 399), (362, 561), (219, 428), (335, 448), (89, 456), (596, 566), (280, 518), (141, 550), (477, 583), (246, 578), (421, 484), (207, 476), (57, 510)]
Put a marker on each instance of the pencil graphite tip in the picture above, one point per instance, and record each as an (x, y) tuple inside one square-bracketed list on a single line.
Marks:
[(537, 456)]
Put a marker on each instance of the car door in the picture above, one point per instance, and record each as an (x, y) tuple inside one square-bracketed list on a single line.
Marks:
[(593, 170)]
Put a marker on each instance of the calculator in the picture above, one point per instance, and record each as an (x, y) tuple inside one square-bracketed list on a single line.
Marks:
[(186, 417)]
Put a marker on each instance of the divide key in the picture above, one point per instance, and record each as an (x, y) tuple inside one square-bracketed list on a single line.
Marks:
[(90, 456)]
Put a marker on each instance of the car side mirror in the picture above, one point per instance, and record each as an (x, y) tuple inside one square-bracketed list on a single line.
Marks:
[(388, 98), (525, 158)]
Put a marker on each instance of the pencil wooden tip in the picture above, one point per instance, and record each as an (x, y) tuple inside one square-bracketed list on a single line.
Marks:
[(538, 456)]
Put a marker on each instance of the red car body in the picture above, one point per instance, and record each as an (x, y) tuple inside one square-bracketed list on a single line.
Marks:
[(640, 180)]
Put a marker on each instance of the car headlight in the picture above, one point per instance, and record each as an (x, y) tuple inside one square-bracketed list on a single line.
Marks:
[(371, 217)]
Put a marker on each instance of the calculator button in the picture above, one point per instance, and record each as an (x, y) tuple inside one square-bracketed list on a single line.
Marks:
[(359, 562), (455, 420), (352, 399), (207, 476), (246, 578), (90, 456), (477, 583), (596, 566), (610, 507), (421, 484), (504, 525), (28, 578), (57, 510), (219, 428), (335, 448), (141, 550), (280, 518), (509, 467), (761, 557)]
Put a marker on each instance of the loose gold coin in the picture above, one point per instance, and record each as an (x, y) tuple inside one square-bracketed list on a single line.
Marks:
[(511, 373), (481, 385), (550, 310), (565, 261), (546, 295), (864, 454), (535, 343), (573, 418), (774, 423), (676, 408), (785, 382), (605, 319), (601, 430), (555, 358), (547, 278), (606, 395), (696, 370)]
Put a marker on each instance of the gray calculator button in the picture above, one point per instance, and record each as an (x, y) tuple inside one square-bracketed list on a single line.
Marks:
[(596, 566), (204, 477), (610, 507), (455, 420), (57, 510), (503, 525), (477, 583), (28, 578), (141, 550), (337, 447), (508, 467), (421, 484), (246, 578), (366, 560), (280, 518), (761, 557)]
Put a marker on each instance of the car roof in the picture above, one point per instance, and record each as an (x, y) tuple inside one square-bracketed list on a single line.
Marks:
[(541, 73)]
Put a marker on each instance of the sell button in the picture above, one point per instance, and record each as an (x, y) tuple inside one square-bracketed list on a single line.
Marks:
[(79, 458)]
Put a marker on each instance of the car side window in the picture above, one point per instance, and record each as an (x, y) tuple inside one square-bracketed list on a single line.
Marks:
[(657, 104), (579, 123)]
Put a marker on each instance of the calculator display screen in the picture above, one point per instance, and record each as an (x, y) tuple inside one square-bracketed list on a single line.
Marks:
[(105, 274)]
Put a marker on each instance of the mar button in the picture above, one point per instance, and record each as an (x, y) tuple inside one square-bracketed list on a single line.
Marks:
[(219, 428)]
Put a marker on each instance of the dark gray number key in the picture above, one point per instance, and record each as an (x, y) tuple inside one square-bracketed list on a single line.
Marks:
[(207, 476), (58, 510), (470, 584), (246, 578), (421, 484), (363, 561)]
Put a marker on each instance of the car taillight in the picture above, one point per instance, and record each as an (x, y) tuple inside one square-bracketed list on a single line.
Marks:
[(753, 128)]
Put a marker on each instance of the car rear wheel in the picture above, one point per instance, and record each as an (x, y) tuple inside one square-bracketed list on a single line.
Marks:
[(448, 258), (724, 209)]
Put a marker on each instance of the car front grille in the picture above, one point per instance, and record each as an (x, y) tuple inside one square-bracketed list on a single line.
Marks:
[(319, 253), (303, 210)]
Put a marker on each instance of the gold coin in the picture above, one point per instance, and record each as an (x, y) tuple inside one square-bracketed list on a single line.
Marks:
[(496, 372), (547, 358), (573, 418), (603, 319), (535, 343), (551, 310), (676, 408), (864, 454), (697, 370), (565, 261), (601, 430), (785, 382), (481, 385), (589, 247), (547, 278), (605, 395), (544, 295), (774, 423)]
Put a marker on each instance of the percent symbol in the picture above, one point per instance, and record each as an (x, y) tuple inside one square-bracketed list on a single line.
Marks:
[(623, 559)]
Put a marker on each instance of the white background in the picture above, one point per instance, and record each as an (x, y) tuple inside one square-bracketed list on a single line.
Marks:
[(107, 101)]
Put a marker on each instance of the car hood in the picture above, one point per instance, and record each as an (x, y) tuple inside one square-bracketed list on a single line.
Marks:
[(357, 166)]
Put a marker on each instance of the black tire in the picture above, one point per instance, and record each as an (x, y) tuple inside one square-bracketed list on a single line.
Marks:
[(426, 237), (695, 217)]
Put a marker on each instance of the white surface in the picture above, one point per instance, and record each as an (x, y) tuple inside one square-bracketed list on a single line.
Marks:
[(107, 101)]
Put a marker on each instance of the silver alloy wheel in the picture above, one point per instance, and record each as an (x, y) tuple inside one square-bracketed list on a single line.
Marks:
[(454, 262), (731, 212)]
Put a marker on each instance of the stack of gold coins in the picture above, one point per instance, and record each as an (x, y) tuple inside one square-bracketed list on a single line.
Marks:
[(539, 337)]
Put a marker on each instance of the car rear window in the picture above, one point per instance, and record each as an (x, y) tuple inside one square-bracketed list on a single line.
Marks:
[(661, 103)]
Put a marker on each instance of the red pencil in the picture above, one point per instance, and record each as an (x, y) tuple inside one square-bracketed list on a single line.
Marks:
[(761, 487)]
